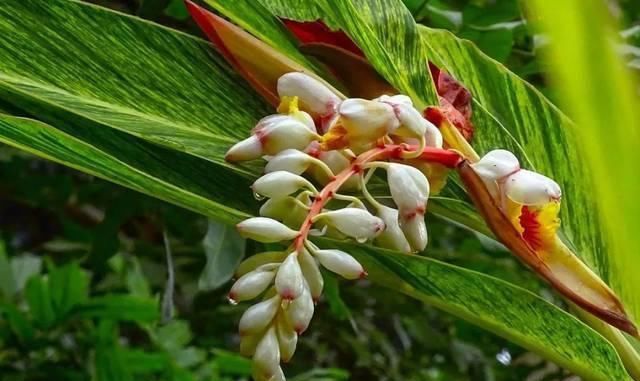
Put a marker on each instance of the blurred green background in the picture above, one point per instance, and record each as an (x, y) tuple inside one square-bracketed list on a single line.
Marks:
[(84, 266)]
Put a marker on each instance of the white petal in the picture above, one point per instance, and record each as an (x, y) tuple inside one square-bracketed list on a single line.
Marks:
[(289, 280), (399, 99), (287, 338), (279, 132), (415, 230), (250, 285), (265, 230), (433, 135), (392, 237), (496, 164), (266, 359), (355, 222), (367, 120), (257, 317), (412, 124), (279, 184), (530, 188), (247, 149), (312, 94), (409, 188), (340, 263), (300, 312), (312, 274), (290, 160)]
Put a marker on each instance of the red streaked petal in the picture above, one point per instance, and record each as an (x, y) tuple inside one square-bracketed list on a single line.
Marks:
[(318, 32)]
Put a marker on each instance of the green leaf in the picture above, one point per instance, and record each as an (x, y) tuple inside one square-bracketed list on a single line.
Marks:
[(7, 283), (119, 307), (224, 249), (134, 76), (109, 359), (40, 302), (498, 306), (18, 321), (69, 287)]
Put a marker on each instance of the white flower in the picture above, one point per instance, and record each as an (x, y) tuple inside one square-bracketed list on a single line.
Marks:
[(412, 124), (300, 311), (250, 285), (433, 135), (409, 188), (280, 184), (289, 160), (367, 120), (496, 164), (336, 161), (312, 274), (313, 95), (415, 230), (258, 317), (266, 359), (265, 230), (341, 263), (395, 99), (392, 237), (279, 132), (289, 279), (530, 188), (354, 222)]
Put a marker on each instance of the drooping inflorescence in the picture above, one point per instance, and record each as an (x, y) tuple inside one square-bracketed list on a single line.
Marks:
[(319, 147)]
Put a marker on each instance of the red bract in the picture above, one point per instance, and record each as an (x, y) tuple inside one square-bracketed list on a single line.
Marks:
[(318, 32)]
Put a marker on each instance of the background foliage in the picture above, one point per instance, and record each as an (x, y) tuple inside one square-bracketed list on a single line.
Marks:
[(83, 266)]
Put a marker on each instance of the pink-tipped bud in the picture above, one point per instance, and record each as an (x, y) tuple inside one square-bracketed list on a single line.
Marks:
[(409, 188), (530, 188), (340, 263), (258, 317), (415, 230), (300, 311), (251, 285), (392, 237), (287, 338), (289, 279), (279, 132), (290, 160), (312, 274), (265, 230), (266, 359), (313, 95), (367, 121), (247, 149), (496, 165), (279, 184), (354, 222)]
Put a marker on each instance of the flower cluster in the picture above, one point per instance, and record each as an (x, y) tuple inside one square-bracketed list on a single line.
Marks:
[(318, 146)]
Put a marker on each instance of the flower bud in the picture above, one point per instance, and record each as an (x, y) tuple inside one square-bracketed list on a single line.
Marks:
[(367, 121), (313, 95), (285, 209), (248, 344), (433, 136), (287, 338), (496, 164), (258, 317), (266, 359), (265, 230), (279, 132), (336, 161), (312, 274), (409, 188), (392, 237), (354, 222), (340, 263), (530, 188), (289, 280), (279, 184), (300, 311), (247, 149), (250, 285), (398, 99), (290, 160), (415, 230), (412, 124), (258, 260)]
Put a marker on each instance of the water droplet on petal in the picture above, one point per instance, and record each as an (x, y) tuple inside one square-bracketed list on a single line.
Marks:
[(361, 239), (258, 196), (232, 301)]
